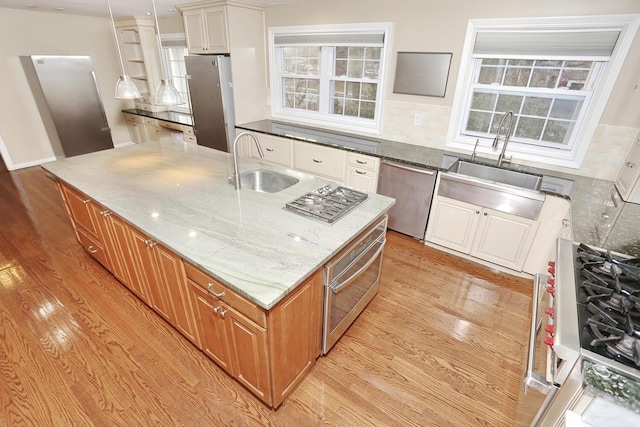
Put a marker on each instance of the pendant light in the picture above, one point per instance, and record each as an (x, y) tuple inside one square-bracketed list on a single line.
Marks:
[(166, 93), (125, 88)]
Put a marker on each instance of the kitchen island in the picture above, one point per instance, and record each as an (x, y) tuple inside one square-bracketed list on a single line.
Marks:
[(162, 217)]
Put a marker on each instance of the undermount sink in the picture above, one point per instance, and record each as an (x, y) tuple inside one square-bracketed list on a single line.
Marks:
[(504, 190), (497, 175), (266, 181)]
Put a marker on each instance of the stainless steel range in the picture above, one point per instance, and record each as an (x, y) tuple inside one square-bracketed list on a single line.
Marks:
[(327, 204), (585, 335)]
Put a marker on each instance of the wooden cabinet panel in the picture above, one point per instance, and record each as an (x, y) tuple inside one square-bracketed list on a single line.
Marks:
[(211, 327), (248, 346), (111, 237), (94, 248), (80, 209)]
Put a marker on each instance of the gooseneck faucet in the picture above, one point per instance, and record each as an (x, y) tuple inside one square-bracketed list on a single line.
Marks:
[(234, 149), (508, 127)]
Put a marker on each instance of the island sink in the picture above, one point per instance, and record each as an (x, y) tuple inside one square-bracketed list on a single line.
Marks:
[(266, 181)]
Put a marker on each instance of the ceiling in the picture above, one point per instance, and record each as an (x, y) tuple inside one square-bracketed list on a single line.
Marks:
[(99, 7)]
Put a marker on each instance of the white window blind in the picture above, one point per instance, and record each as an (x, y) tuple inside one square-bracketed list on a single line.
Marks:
[(597, 43), (334, 39)]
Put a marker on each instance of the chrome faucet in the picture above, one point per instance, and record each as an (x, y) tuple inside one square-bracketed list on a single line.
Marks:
[(236, 176), (507, 134)]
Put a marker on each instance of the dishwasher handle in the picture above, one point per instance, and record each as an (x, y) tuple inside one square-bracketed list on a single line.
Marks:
[(409, 168)]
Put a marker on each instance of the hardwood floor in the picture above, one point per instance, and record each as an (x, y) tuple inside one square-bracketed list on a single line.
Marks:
[(442, 344)]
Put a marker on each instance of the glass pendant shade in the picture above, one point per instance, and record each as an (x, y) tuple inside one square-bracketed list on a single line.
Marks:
[(126, 89), (167, 94)]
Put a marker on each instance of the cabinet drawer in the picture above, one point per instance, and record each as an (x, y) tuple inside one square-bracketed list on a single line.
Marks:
[(362, 161), (169, 125), (319, 160), (276, 150), (187, 130), (134, 119), (239, 303), (94, 248), (150, 122)]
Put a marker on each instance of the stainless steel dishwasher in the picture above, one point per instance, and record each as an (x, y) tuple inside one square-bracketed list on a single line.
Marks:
[(412, 187)]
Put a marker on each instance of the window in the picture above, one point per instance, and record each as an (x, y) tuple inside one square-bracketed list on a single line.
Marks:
[(329, 75), (555, 74), (174, 49)]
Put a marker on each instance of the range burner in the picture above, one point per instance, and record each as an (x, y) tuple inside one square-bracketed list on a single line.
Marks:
[(327, 204), (609, 304)]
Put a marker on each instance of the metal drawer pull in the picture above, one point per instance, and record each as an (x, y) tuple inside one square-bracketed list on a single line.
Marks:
[(629, 165), (105, 213), (215, 310), (92, 249), (223, 313), (361, 162), (317, 161), (565, 222), (152, 243), (212, 292), (360, 172), (270, 149), (86, 201)]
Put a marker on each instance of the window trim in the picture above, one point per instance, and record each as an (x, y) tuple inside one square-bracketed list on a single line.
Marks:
[(627, 24), (340, 122)]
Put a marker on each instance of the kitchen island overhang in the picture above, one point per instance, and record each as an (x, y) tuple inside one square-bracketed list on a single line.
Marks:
[(234, 272)]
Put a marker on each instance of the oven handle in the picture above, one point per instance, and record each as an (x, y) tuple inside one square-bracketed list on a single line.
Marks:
[(534, 379), (337, 288)]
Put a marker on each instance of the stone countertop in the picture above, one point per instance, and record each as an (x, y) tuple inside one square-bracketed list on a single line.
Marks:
[(167, 116), (178, 194), (596, 218)]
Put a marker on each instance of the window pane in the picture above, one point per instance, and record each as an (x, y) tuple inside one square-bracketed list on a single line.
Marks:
[(290, 66), (517, 77), (312, 102), (529, 128), (565, 109), (367, 109), (355, 69), (490, 75), (372, 52), (315, 52), (372, 69), (369, 91), (483, 101), (536, 106), (543, 77), (573, 79), (313, 86), (289, 100), (548, 63), (353, 90), (289, 84), (557, 131), (338, 88), (356, 53), (341, 68), (342, 52), (351, 108), (509, 103), (338, 106), (478, 122)]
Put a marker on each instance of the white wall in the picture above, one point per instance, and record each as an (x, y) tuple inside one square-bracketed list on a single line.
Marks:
[(440, 26), (37, 33)]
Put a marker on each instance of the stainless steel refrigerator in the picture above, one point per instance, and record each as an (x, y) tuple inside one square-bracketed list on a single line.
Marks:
[(211, 94), (67, 96)]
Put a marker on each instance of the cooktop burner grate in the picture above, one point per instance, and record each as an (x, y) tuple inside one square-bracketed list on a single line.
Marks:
[(327, 204)]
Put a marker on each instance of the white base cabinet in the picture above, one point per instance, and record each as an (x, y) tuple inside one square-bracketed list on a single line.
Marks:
[(483, 233), (628, 182)]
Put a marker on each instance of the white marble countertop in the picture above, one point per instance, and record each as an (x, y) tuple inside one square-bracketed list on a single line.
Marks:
[(178, 194)]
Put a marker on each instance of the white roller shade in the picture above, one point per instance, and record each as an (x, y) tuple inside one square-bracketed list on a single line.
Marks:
[(531, 43), (333, 39)]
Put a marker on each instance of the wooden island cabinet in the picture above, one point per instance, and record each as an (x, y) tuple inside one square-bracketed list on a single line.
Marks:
[(267, 351)]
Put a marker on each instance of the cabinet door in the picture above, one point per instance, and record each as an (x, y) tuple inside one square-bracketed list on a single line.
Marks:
[(248, 347), (147, 274), (452, 224), (503, 239), (172, 277), (629, 176), (211, 327), (79, 207), (113, 236), (362, 179), (195, 31), (215, 19)]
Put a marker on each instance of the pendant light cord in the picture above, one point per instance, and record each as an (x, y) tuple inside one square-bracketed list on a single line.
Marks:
[(159, 42), (115, 36)]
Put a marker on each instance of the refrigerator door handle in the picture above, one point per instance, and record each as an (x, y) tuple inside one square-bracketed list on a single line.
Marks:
[(104, 114), (187, 78)]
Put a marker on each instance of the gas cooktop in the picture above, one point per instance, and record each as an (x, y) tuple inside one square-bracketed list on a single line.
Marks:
[(327, 204)]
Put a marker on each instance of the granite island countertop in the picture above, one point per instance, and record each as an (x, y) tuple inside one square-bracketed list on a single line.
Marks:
[(178, 194), (598, 216)]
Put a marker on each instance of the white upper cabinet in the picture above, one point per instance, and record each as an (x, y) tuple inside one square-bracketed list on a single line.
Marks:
[(206, 30)]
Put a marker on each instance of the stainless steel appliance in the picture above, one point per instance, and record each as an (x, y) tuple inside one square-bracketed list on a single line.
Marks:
[(211, 94), (352, 279), (67, 96), (412, 187), (327, 204), (586, 342)]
